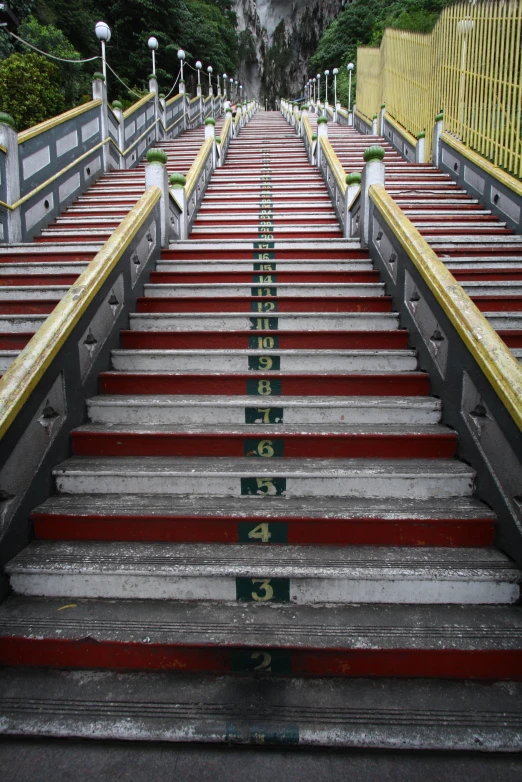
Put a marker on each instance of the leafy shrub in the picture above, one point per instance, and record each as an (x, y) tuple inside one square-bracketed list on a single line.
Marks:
[(30, 89)]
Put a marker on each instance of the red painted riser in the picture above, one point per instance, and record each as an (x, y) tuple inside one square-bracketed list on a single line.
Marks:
[(403, 663), (498, 303), (328, 532), (513, 339), (284, 304), (14, 341), (27, 307), (37, 279), (143, 384), (249, 220), (254, 235), (296, 446), (197, 278), (491, 274), (347, 340), (213, 253), (57, 238)]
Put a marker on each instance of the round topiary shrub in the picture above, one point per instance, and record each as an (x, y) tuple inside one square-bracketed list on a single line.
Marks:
[(98, 76), (117, 105), (6, 119), (210, 121), (353, 179), (157, 156), (375, 152), (177, 180)]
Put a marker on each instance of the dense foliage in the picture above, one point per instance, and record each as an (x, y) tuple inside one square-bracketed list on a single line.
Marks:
[(362, 23), (33, 84), (205, 29)]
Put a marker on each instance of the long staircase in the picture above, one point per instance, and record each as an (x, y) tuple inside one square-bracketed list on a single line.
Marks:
[(263, 487), (483, 254), (35, 276)]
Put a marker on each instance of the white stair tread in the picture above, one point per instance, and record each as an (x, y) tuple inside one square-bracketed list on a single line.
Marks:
[(360, 713), (291, 507), (228, 625), (215, 559)]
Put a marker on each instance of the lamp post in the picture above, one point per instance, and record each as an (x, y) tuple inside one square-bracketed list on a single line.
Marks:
[(199, 67), (181, 57), (240, 93), (335, 72), (103, 34), (231, 80), (318, 78), (326, 73), (152, 43), (349, 68)]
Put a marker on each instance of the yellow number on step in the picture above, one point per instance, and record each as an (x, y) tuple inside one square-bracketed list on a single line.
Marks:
[(261, 533), (264, 587)]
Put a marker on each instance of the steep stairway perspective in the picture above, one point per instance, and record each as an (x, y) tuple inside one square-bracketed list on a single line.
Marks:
[(35, 276), (483, 254), (264, 487)]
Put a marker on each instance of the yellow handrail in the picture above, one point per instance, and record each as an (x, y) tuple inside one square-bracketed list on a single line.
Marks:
[(135, 106), (171, 100), (487, 348), (48, 124), (308, 130), (335, 164), (485, 165), (197, 165), (29, 366)]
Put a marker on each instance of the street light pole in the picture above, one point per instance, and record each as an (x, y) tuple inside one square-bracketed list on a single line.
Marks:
[(103, 34), (326, 73), (350, 69), (153, 45)]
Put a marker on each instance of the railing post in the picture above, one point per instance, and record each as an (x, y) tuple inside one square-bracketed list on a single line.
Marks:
[(184, 99), (117, 110), (218, 152), (381, 119), (210, 132), (304, 114), (373, 174), (437, 131), (99, 92), (153, 87), (374, 125), (9, 140), (156, 175), (351, 116), (353, 181), (420, 148), (177, 187), (322, 132), (163, 115)]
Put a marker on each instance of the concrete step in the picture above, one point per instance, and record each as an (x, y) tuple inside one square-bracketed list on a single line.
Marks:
[(262, 478), (264, 574), (304, 640), (235, 321), (218, 410), (457, 521), (33, 292), (354, 713), (15, 324), (304, 289), (250, 266), (243, 360)]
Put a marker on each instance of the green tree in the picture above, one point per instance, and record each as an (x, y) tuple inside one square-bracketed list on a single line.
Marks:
[(30, 89), (50, 39)]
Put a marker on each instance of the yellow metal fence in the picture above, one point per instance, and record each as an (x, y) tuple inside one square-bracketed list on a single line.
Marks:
[(469, 67)]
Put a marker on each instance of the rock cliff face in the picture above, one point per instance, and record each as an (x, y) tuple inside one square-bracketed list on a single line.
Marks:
[(277, 38)]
